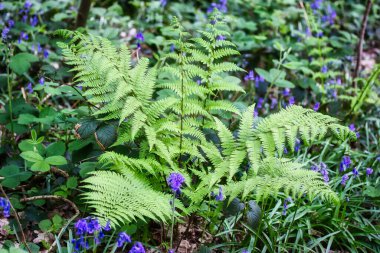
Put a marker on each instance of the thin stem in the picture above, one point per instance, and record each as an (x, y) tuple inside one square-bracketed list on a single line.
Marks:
[(17, 219), (360, 44), (9, 84), (291, 224), (173, 219)]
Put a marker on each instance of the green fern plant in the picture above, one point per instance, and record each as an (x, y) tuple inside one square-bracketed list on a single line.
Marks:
[(185, 130)]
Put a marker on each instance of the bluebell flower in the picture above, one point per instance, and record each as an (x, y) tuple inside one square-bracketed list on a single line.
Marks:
[(107, 227), (122, 239), (34, 20), (220, 196), (255, 113), (285, 207), (4, 33), (344, 179), (221, 6), (23, 36), (11, 23), (39, 48), (319, 34), (324, 69), (46, 53), (286, 92), (29, 88), (81, 227), (285, 150), (258, 80), (172, 48), (137, 248), (355, 172), (250, 76), (330, 15), (291, 100), (220, 37), (24, 18), (93, 225), (6, 206), (28, 5), (1, 6), (369, 171), (140, 36), (273, 103), (316, 106), (163, 3), (244, 251), (316, 5), (345, 163), (308, 32), (297, 145), (171, 251), (41, 81), (175, 181), (260, 103)]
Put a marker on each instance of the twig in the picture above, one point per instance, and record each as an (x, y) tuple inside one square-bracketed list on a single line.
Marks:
[(361, 39), (53, 197), (17, 219)]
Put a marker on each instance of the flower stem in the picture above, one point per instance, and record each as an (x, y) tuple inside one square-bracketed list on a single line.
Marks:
[(173, 219)]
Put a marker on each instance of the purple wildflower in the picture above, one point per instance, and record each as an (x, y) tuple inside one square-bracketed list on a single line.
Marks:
[(324, 69), (369, 171), (4, 33), (316, 106), (345, 164), (297, 145), (286, 92), (355, 171), (81, 227), (11, 23), (46, 53), (107, 227), (344, 179), (29, 87), (34, 20), (1, 6), (23, 36), (316, 5), (291, 100), (172, 48), (42, 81), (6, 206), (175, 181), (220, 196), (140, 36), (320, 34), (137, 248), (122, 239), (273, 103), (250, 76), (28, 5), (260, 103), (163, 3), (286, 201), (220, 37)]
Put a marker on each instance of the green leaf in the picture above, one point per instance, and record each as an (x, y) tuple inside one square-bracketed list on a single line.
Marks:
[(20, 63), (31, 156), (86, 167), (40, 166), (57, 220), (45, 225), (253, 215), (56, 160), (13, 176), (72, 183), (26, 118), (105, 136), (284, 84), (86, 127), (264, 74), (57, 148)]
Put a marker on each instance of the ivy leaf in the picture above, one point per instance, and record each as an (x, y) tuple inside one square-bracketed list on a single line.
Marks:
[(20, 63), (31, 156), (105, 136), (56, 160), (40, 166)]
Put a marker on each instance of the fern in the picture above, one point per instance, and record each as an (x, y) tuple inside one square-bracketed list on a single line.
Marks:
[(176, 122)]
